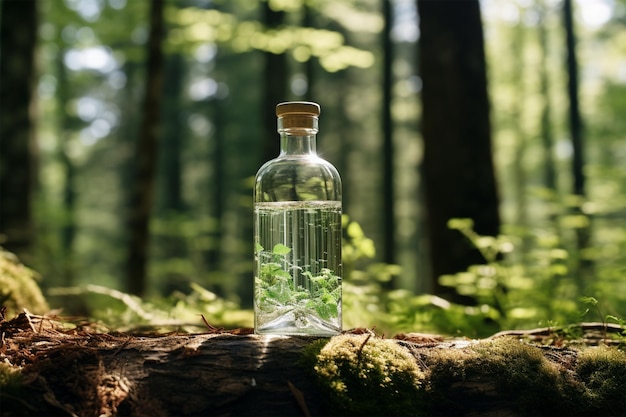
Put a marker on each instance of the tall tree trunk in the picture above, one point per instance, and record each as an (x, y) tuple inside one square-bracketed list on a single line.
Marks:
[(546, 134), (458, 171), (125, 148), (173, 135), (583, 233), (547, 139), (275, 85), (517, 116), (173, 245), (575, 120), (18, 150), (146, 157), (346, 145), (217, 192), (309, 66), (68, 227), (389, 218)]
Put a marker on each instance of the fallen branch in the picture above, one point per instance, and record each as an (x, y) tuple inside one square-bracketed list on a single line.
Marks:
[(74, 372)]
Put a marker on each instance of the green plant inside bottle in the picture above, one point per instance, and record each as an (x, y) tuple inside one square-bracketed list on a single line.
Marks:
[(298, 281), (277, 290)]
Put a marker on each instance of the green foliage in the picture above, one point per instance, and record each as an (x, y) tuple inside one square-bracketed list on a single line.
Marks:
[(621, 336), (364, 299), (118, 311), (197, 26), (510, 291), (364, 375), (19, 289), (184, 252), (276, 288)]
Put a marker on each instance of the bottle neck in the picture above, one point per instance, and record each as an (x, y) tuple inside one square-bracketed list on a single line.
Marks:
[(297, 135), (297, 144)]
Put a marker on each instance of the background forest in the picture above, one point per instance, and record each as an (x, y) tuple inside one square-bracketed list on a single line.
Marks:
[(130, 133)]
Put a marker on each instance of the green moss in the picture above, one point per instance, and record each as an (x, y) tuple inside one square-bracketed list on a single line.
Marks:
[(517, 378), (310, 353), (504, 374), (10, 376), (18, 287), (601, 381), (365, 375)]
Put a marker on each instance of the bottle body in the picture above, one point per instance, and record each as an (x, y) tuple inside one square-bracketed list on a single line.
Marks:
[(297, 238)]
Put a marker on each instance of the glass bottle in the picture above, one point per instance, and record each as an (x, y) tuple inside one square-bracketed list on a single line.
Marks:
[(297, 232)]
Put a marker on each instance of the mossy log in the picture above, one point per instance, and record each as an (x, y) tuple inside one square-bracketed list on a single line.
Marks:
[(47, 371)]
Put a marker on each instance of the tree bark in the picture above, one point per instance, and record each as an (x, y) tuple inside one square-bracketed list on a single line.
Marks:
[(458, 172), (18, 154), (142, 198), (308, 21), (575, 120), (241, 374), (520, 146), (177, 375), (173, 139), (547, 136), (275, 85), (584, 268), (388, 197), (69, 228)]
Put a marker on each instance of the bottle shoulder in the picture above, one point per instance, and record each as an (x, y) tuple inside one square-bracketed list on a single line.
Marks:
[(303, 165), (297, 179)]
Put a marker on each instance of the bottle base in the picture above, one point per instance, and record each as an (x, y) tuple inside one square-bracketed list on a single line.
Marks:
[(288, 325)]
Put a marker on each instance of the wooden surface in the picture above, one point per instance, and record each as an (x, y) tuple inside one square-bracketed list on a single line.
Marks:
[(172, 375), (82, 373)]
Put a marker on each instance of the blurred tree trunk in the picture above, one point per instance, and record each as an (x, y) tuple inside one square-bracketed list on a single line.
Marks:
[(547, 139), (341, 118), (219, 176), (575, 120), (520, 179), (18, 149), (173, 137), (275, 85), (125, 148), (389, 218), (458, 171), (172, 245), (583, 232), (146, 157), (309, 66), (68, 227)]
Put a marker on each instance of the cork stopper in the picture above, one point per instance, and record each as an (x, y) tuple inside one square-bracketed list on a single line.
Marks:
[(297, 115)]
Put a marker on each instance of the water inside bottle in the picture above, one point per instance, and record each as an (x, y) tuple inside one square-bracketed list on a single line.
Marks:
[(298, 267)]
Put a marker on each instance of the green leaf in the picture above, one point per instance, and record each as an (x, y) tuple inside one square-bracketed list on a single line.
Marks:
[(280, 249), (589, 300), (281, 273), (460, 224)]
